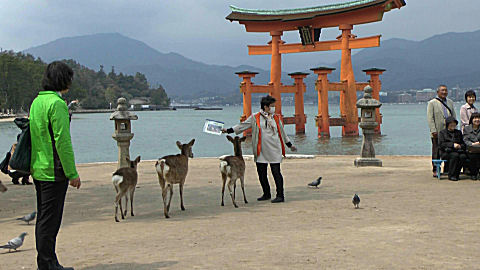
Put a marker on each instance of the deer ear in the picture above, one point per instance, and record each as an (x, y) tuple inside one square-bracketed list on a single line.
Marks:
[(179, 144), (137, 160), (243, 139), (191, 142), (229, 138)]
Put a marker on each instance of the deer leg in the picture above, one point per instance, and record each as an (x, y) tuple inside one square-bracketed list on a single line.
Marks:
[(126, 204), (234, 188), (171, 195), (242, 183), (230, 186), (164, 196), (131, 201), (181, 197), (224, 179), (118, 199)]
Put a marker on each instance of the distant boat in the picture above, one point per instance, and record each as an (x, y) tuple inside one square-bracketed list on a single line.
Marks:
[(208, 109)]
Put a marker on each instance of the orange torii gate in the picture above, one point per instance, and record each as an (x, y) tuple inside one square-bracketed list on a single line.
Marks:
[(309, 22)]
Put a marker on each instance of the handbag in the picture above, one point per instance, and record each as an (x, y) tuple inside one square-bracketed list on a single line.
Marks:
[(20, 160)]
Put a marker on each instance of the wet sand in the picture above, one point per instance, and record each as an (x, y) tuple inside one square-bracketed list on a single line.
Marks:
[(406, 220)]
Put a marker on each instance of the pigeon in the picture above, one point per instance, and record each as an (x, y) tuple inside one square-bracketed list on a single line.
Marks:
[(28, 218), (356, 200), (15, 242), (316, 183)]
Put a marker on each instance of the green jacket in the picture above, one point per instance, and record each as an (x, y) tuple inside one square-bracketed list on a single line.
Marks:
[(52, 151)]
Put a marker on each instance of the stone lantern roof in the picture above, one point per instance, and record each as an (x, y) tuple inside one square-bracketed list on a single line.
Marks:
[(367, 102), (122, 113)]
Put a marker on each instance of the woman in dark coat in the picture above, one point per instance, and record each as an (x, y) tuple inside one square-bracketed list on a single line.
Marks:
[(471, 136), (452, 148)]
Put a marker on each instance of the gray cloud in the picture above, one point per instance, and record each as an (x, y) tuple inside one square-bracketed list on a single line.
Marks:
[(198, 29)]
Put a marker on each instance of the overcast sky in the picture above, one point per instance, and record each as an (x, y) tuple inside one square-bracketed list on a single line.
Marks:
[(197, 28)]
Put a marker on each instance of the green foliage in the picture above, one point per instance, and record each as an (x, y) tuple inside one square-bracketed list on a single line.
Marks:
[(21, 75)]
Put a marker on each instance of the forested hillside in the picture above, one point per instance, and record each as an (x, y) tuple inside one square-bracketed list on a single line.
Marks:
[(21, 75)]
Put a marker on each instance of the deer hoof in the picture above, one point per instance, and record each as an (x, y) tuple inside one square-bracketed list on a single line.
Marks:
[(183, 208), (132, 214), (246, 201), (236, 206), (116, 219), (222, 204), (166, 216)]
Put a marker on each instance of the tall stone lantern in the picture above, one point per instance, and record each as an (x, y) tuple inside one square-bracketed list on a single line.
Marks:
[(123, 130), (368, 124)]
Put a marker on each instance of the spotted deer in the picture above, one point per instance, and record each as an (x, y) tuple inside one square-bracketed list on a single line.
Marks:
[(172, 170), (233, 167), (125, 180)]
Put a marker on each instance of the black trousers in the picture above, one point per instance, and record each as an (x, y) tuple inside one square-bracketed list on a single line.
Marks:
[(277, 176), (50, 202), (474, 165), (455, 162)]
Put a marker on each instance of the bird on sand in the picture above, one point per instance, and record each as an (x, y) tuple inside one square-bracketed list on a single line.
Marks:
[(356, 200), (15, 242), (28, 217), (315, 183)]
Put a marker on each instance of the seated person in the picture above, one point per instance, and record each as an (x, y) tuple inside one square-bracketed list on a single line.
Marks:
[(452, 148), (6, 169), (471, 136)]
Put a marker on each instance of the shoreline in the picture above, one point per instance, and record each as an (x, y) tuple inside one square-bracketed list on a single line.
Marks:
[(250, 158)]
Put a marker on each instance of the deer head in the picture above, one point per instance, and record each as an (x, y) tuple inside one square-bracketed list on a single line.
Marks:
[(133, 164), (186, 148), (237, 144)]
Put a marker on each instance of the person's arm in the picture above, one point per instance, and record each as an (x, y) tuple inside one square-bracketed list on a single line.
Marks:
[(463, 116), (431, 118), (286, 139), (443, 142), (59, 120), (243, 126), (468, 137)]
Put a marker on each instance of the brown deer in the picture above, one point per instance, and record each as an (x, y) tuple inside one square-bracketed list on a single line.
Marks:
[(233, 167), (125, 180), (172, 170), (3, 188)]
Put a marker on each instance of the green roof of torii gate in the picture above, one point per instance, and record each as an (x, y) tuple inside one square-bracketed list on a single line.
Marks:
[(240, 14)]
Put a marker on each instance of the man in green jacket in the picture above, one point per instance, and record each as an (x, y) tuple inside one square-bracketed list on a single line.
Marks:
[(53, 162)]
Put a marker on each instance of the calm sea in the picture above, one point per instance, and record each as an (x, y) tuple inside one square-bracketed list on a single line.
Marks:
[(404, 132)]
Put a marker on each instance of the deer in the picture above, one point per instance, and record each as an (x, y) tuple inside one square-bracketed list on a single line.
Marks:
[(173, 169), (233, 167), (125, 180), (3, 188)]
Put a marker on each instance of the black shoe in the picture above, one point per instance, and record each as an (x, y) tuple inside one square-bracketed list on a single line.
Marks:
[(473, 177), (25, 181), (264, 197), (58, 266), (453, 178), (15, 181), (278, 200)]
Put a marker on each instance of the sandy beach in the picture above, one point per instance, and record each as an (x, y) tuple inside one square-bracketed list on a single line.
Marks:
[(406, 220)]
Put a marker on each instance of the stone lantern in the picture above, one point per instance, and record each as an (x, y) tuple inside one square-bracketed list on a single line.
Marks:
[(123, 130), (368, 124)]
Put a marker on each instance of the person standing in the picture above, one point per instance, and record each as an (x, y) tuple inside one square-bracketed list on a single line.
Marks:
[(268, 143), (468, 108), (53, 162), (438, 110)]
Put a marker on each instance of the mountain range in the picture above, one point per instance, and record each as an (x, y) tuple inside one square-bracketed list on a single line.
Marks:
[(449, 58)]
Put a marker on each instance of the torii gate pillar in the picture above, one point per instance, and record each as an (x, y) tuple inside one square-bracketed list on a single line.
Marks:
[(348, 97)]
